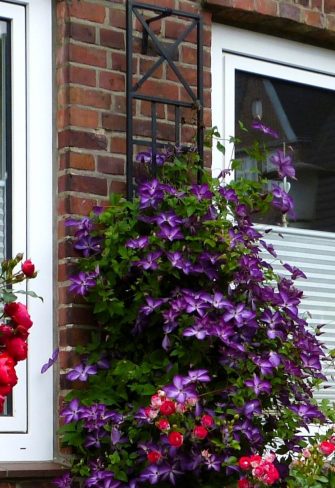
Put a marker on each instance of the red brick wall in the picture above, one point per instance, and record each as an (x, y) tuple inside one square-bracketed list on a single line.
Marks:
[(91, 108)]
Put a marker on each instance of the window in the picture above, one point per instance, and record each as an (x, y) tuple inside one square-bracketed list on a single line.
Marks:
[(291, 87), (26, 428)]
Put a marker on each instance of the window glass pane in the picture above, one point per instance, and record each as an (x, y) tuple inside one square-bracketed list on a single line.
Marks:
[(4, 150), (304, 116)]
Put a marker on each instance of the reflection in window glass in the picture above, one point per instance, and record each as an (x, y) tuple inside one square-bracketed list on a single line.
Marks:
[(4, 150), (304, 117)]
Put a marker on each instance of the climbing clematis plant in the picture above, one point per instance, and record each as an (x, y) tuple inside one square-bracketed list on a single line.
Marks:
[(15, 322), (200, 355)]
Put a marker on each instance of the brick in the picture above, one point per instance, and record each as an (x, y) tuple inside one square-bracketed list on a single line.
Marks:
[(88, 55), (146, 110), (82, 161), (329, 6), (65, 270), (119, 104), (142, 128), (82, 32), (316, 19), (82, 76), (112, 81), (111, 165), (118, 144), (291, 12), (73, 336), (82, 117), (79, 205), (162, 88), (146, 64), (162, 3), (80, 139), (62, 118), (112, 38), (87, 11), (244, 4), (68, 359), (119, 62), (118, 187), (75, 315), (114, 122), (188, 55), (117, 18), (266, 7), (85, 184), (66, 250), (173, 29), (92, 98)]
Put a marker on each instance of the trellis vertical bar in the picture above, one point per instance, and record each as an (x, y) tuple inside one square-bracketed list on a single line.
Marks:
[(129, 110)]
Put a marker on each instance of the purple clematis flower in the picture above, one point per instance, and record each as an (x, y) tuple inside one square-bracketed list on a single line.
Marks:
[(307, 411), (251, 408), (170, 233), (51, 361), (219, 301), (239, 313), (281, 199), (88, 245), (150, 194), (84, 226), (82, 372), (196, 330), (229, 194), (202, 192), (169, 218), (102, 479), (73, 412), (64, 481), (152, 304), (213, 462), (152, 474), (138, 243), (149, 261), (284, 164), (82, 282), (296, 272), (258, 385), (197, 375), (257, 125), (147, 157), (170, 471), (180, 389)]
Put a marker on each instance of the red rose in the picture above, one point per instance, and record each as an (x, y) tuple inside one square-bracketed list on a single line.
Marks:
[(7, 371), (154, 456), (18, 313), (163, 424), (28, 268), (200, 432), (176, 439), (326, 448), (168, 407), (5, 333), (255, 460), (17, 348), (243, 483), (207, 420), (22, 332), (244, 463), (2, 401)]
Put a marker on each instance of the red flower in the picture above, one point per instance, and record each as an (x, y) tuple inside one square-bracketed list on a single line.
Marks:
[(327, 448), (163, 424), (5, 333), (207, 420), (168, 407), (4, 391), (7, 371), (28, 268), (244, 463), (17, 348), (18, 313), (255, 460), (176, 439), (154, 456), (243, 483), (200, 432)]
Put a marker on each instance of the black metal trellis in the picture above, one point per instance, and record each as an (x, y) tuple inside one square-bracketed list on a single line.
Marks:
[(164, 53)]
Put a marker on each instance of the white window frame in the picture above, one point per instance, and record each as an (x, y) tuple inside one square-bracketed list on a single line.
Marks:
[(238, 49), (28, 434)]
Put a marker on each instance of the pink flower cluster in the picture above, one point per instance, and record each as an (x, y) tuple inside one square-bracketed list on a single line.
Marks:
[(261, 470), (161, 407)]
